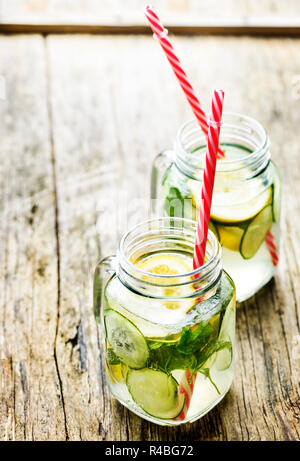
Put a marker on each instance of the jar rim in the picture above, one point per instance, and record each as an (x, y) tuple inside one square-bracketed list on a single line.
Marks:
[(195, 274), (253, 156)]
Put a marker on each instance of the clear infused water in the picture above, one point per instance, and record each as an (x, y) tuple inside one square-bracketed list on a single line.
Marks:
[(245, 208), (151, 343)]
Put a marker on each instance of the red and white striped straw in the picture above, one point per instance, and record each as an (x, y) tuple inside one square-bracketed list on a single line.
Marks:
[(271, 245), (186, 387), (162, 34), (187, 383), (208, 178)]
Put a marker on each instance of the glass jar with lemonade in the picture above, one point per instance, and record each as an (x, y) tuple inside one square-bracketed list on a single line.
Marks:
[(168, 331), (245, 214)]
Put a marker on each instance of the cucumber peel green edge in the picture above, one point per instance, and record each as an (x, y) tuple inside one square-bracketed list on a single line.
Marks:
[(249, 248), (127, 358), (171, 413)]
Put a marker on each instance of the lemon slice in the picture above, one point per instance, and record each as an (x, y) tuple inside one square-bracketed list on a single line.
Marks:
[(232, 205), (167, 264), (243, 211), (150, 315), (117, 372), (109, 374), (164, 264), (230, 237)]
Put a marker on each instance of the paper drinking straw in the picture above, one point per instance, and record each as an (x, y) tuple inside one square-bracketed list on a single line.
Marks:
[(208, 178), (186, 387), (270, 242), (162, 35), (187, 383)]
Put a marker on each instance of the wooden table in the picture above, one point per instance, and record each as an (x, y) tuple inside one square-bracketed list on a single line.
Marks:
[(82, 118)]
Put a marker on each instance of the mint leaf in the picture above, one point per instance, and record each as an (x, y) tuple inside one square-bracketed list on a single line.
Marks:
[(211, 349), (154, 344), (173, 203), (195, 340), (112, 358), (167, 358)]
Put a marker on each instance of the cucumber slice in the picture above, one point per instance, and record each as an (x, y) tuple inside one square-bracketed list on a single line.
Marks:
[(276, 194), (155, 392), (126, 340), (256, 232)]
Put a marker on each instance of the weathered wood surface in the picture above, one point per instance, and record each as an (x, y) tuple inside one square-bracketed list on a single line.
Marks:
[(229, 17), (119, 12), (250, 27), (82, 119)]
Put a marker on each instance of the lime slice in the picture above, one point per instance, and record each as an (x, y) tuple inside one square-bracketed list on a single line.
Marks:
[(155, 392), (256, 232), (125, 339), (276, 194)]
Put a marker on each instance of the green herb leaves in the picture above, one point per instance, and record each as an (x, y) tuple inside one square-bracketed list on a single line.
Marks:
[(193, 340), (192, 351), (112, 358)]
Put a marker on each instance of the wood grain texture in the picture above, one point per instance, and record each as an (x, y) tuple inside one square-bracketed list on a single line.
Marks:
[(120, 12), (30, 385), (240, 27), (84, 117), (229, 17)]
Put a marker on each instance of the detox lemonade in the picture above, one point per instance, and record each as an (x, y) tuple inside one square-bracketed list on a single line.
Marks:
[(165, 325), (245, 210)]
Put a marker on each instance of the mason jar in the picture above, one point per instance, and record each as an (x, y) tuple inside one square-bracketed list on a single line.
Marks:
[(245, 213), (167, 330)]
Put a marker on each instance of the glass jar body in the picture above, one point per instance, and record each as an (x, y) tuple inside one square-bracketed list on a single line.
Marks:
[(169, 347), (245, 214)]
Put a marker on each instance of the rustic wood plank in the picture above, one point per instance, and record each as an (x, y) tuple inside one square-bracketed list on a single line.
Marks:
[(31, 400), (265, 18), (113, 109), (120, 12), (250, 26), (85, 150)]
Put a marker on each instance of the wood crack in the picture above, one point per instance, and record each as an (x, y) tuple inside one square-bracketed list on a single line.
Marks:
[(56, 215)]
